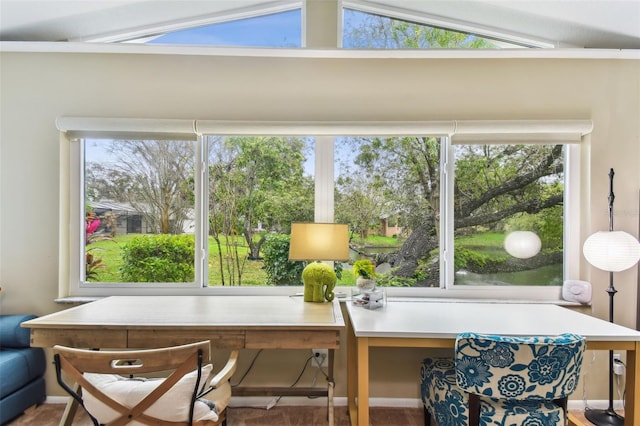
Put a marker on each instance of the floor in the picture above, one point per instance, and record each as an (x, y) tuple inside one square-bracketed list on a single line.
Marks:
[(49, 415)]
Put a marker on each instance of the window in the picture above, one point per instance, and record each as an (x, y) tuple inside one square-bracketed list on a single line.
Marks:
[(139, 210), (213, 200), (365, 25), (257, 186), (369, 27), (276, 26), (280, 30), (499, 192)]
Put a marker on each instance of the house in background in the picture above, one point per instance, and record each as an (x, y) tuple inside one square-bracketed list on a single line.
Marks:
[(128, 220)]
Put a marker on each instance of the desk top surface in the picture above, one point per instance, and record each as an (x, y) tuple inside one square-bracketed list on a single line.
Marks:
[(196, 312), (416, 318)]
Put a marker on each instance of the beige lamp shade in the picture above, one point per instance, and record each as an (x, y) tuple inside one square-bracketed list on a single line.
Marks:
[(319, 241), (612, 251)]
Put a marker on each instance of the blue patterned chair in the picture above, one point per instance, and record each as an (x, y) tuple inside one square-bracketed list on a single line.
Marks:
[(500, 380)]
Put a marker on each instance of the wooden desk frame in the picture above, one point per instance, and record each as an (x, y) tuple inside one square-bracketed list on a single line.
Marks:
[(245, 322), (358, 367)]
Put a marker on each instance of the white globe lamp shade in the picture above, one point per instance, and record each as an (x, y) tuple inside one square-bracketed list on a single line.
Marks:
[(612, 251), (522, 244)]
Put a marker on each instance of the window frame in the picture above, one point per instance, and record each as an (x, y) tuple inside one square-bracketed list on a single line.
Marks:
[(571, 226), (71, 197), (142, 35)]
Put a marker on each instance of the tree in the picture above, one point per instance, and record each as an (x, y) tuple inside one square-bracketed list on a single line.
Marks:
[(154, 176), (256, 185), (369, 31), (493, 184)]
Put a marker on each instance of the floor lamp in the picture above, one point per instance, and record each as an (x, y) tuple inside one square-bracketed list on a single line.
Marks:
[(611, 251)]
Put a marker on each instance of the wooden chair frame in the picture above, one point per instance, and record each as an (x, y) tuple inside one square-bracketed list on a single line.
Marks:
[(181, 359)]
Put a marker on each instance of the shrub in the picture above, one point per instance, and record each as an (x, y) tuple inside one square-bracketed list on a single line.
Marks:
[(280, 271), (158, 258)]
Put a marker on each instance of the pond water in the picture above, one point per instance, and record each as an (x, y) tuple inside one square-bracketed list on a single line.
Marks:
[(546, 275)]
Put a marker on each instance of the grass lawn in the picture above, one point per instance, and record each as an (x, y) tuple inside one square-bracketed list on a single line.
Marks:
[(253, 274)]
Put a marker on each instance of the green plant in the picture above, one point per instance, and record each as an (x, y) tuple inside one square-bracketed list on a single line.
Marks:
[(92, 262), (364, 268), (158, 258), (280, 271)]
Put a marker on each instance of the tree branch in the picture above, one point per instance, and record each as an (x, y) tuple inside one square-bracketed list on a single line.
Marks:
[(531, 206)]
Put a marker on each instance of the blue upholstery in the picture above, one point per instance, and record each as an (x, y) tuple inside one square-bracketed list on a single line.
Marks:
[(21, 368), (519, 380)]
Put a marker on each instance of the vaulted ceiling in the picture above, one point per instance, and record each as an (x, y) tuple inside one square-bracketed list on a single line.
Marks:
[(609, 24)]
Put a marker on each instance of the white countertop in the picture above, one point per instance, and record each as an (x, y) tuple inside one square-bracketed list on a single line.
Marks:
[(416, 318)]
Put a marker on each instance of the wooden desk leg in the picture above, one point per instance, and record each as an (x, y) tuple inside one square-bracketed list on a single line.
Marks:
[(632, 380), (363, 380), (330, 399), (351, 375), (330, 387)]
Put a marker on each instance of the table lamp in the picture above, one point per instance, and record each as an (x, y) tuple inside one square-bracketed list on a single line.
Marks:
[(317, 242), (611, 251)]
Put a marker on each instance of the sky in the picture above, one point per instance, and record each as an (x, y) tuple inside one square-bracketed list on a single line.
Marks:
[(282, 29)]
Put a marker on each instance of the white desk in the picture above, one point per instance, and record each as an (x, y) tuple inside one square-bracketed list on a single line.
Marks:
[(430, 323)]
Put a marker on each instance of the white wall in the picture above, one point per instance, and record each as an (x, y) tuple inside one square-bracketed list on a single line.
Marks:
[(38, 87)]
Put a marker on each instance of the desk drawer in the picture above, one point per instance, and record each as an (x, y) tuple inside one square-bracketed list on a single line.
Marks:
[(93, 339), (292, 339), (162, 338)]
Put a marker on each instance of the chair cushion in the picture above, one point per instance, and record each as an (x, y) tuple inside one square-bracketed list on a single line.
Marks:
[(19, 367), (172, 406), (220, 396), (449, 404)]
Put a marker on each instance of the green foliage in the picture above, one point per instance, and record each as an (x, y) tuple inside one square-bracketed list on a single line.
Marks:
[(548, 224), (464, 258), (93, 263), (358, 203), (382, 32), (158, 258), (364, 268), (388, 280), (280, 271)]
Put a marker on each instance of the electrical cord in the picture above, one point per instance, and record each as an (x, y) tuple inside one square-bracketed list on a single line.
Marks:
[(275, 401), (585, 376), (320, 369), (253, 361), (622, 391)]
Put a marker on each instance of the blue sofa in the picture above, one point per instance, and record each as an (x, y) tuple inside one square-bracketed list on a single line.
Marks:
[(21, 369)]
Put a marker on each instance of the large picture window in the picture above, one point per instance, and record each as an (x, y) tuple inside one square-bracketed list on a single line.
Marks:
[(433, 212)]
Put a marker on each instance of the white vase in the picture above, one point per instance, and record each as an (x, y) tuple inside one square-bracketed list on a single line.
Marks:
[(366, 283)]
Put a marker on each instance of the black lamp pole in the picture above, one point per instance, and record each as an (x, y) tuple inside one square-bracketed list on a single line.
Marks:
[(608, 416)]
